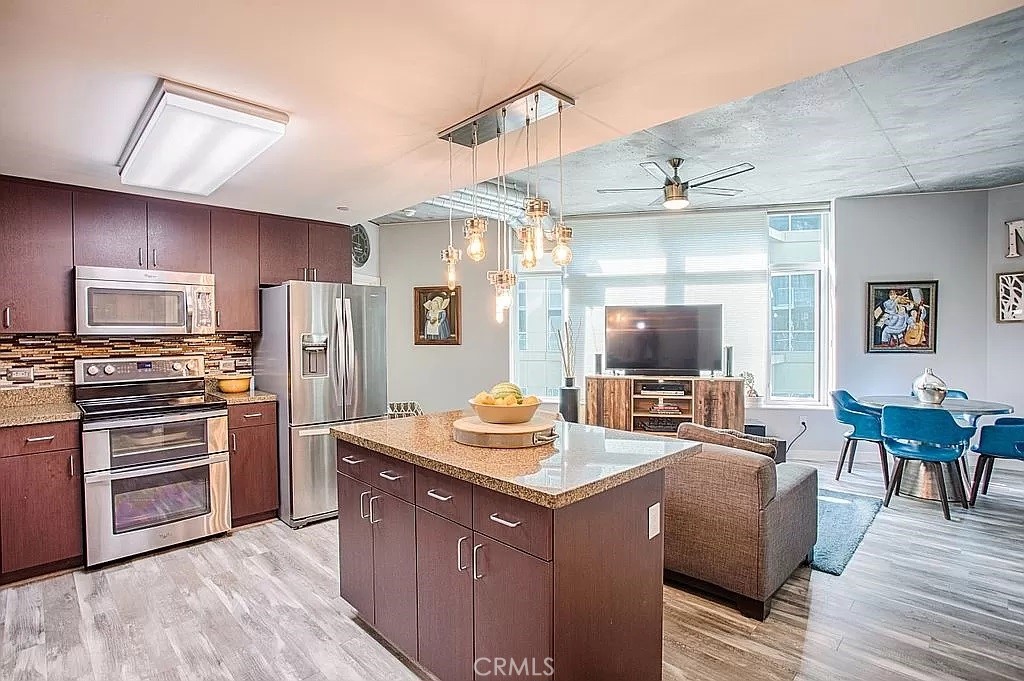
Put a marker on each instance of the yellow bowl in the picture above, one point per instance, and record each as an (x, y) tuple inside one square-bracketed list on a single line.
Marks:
[(233, 383), (493, 413)]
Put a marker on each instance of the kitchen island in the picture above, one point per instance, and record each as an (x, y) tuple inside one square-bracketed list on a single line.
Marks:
[(544, 562)]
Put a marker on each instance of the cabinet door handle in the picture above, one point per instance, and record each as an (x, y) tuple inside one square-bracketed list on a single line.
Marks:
[(141, 264), (7, 317), (433, 494), (154, 258), (389, 476), (361, 497), (476, 561), (369, 507), (41, 438), (458, 550), (234, 442), (305, 274), (253, 415), (351, 460), (71, 464), (507, 523), (218, 319), (314, 274)]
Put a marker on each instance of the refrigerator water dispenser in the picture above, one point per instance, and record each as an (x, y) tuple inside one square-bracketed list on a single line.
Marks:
[(314, 355)]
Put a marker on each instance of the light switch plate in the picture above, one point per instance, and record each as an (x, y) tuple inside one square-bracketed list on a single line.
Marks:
[(654, 521), (227, 365), (243, 363), (21, 375)]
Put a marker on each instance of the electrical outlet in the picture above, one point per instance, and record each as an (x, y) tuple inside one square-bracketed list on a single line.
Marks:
[(243, 363), (227, 365), (21, 375)]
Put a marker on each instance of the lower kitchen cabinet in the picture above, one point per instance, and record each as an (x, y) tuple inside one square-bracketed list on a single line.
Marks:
[(40, 512), (394, 575), (444, 596), (355, 545), (512, 599), (254, 480)]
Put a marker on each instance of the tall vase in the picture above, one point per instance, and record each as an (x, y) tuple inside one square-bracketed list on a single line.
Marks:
[(569, 401), (929, 388)]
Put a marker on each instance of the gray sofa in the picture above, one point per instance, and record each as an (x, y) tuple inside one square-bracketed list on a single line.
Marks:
[(738, 524)]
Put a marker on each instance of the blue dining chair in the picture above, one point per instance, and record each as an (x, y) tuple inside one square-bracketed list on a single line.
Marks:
[(1002, 440), (931, 436), (865, 424)]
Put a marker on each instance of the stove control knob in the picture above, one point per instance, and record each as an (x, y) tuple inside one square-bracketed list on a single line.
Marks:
[(92, 370), (109, 369), (176, 366), (191, 366)]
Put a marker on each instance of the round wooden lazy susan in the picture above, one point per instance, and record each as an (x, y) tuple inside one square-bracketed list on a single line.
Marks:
[(536, 432)]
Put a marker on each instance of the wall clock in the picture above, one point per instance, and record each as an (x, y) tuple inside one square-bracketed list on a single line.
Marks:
[(360, 246)]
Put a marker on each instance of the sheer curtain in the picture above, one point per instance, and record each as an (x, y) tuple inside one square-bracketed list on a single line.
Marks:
[(673, 259)]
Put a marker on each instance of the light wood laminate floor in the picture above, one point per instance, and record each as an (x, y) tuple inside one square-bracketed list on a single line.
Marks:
[(922, 599)]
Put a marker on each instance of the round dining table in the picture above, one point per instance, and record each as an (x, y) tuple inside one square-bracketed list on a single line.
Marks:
[(916, 482)]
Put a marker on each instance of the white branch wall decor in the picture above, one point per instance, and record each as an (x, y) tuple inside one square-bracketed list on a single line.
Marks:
[(1011, 297)]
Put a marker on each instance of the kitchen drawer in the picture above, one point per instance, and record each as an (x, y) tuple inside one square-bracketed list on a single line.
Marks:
[(513, 521), (445, 496), (395, 477), (39, 437), (357, 463), (255, 414)]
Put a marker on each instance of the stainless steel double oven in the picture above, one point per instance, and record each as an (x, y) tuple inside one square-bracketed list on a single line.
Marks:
[(155, 455)]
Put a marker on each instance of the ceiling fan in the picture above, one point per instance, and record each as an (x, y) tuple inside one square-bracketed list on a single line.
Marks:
[(676, 192)]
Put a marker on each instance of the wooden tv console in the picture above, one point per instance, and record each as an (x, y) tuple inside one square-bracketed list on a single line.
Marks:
[(625, 402)]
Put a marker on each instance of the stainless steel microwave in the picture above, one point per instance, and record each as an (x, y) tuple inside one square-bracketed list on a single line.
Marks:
[(111, 301)]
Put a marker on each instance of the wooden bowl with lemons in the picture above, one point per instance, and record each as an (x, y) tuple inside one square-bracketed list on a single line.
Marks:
[(504, 406)]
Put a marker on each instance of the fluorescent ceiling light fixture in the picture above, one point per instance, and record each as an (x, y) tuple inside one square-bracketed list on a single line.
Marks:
[(192, 141)]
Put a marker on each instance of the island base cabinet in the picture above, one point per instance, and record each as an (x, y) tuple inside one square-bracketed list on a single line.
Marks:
[(444, 596), (394, 575), (512, 602), (355, 545)]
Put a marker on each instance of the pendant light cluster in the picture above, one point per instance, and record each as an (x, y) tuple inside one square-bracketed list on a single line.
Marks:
[(525, 108)]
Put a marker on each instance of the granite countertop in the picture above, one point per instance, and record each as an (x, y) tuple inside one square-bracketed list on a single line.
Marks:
[(244, 398), (582, 462), (25, 406)]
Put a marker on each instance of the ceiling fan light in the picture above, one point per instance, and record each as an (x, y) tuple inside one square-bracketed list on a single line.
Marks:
[(675, 197)]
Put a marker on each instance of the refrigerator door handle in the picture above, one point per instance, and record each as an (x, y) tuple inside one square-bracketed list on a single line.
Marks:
[(350, 358), (338, 371)]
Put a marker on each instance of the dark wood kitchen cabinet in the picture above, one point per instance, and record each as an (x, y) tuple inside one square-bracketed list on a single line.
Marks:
[(36, 259), (252, 440), (310, 251), (41, 523), (284, 249), (235, 263), (110, 230), (355, 545), (394, 576), (444, 594), (179, 236), (330, 252)]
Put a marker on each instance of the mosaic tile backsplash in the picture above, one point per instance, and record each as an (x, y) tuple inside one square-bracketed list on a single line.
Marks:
[(52, 357)]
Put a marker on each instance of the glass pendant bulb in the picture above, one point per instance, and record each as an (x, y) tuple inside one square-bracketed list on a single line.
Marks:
[(452, 278), (475, 248), (538, 241), (504, 299), (499, 312), (529, 260), (561, 254)]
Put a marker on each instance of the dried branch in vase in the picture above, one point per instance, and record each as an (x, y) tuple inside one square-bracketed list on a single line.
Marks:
[(568, 338)]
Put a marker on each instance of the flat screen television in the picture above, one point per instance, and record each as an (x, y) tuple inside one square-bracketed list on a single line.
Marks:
[(679, 340)]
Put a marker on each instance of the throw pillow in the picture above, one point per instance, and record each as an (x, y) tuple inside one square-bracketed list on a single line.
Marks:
[(692, 431)]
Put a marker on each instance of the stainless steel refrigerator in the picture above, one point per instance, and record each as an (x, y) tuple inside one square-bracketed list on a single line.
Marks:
[(322, 352)]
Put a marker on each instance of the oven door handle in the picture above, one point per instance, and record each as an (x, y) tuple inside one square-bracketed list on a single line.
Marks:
[(93, 478), (115, 424)]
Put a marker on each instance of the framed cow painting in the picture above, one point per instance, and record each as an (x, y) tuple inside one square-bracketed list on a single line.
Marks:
[(437, 315)]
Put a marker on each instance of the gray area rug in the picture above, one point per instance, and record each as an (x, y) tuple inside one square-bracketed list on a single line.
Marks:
[(843, 519)]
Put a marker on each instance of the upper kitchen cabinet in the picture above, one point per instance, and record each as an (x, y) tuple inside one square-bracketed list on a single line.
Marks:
[(284, 249), (36, 259), (235, 258), (110, 230), (179, 236), (330, 252)]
